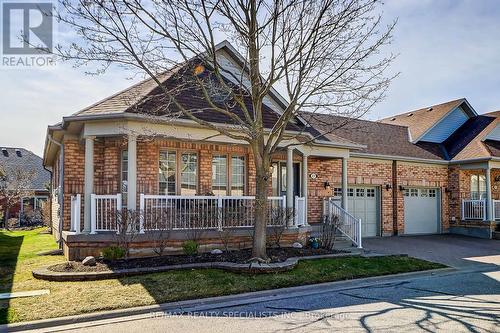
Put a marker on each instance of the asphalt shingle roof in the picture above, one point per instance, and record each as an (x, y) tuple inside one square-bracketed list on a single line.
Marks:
[(26, 161)]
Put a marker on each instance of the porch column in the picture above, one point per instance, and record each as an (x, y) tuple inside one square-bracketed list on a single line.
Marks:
[(89, 181), (344, 183), (289, 178), (489, 201), (305, 177), (132, 173)]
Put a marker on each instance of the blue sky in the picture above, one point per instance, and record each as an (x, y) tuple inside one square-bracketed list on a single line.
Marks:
[(447, 49)]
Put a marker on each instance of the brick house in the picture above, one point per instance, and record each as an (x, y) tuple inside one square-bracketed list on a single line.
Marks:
[(22, 171), (427, 171)]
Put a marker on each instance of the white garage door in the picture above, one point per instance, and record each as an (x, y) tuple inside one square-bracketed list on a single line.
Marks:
[(421, 211), (363, 203)]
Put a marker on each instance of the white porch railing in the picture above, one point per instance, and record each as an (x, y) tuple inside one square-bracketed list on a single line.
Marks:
[(348, 225), (75, 213), (473, 209), (206, 212), (300, 211), (103, 210), (496, 209)]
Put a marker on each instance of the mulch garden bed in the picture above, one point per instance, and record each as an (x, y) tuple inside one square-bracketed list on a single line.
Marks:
[(276, 255)]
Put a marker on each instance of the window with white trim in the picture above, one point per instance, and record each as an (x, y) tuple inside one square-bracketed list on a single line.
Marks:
[(432, 193), (360, 192), (477, 187), (189, 168), (337, 192), (370, 192), (167, 172), (228, 175)]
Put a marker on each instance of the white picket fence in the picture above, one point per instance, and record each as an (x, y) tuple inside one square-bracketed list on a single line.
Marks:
[(347, 224), (473, 209), (190, 212)]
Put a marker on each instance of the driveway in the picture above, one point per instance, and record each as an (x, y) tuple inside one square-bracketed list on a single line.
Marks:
[(452, 250)]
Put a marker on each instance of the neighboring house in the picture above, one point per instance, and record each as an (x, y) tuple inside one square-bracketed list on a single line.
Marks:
[(423, 172), (32, 180)]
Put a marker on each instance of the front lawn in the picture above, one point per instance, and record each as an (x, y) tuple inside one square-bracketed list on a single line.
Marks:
[(18, 256)]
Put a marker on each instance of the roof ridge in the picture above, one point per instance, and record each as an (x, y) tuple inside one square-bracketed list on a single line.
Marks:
[(378, 122), (424, 108)]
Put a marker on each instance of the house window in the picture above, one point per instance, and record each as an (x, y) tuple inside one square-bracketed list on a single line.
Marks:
[(424, 193), (237, 175), (350, 192), (478, 187), (337, 192), (189, 166), (370, 192), (228, 175), (124, 177), (432, 193), (167, 172)]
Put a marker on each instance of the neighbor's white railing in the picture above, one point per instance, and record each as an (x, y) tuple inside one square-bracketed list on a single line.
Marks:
[(103, 212), (348, 225), (300, 215), (75, 213), (496, 209), (473, 209), (205, 212)]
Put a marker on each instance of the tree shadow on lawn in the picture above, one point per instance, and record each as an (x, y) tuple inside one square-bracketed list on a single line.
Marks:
[(10, 247)]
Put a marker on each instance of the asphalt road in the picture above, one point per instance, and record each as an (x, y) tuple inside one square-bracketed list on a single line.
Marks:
[(460, 301)]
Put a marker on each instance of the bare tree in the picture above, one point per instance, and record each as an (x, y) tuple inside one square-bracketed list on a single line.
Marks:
[(127, 224), (323, 54), (15, 184)]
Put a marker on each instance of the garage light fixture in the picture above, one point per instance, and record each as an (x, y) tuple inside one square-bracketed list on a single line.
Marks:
[(327, 185), (401, 188), (388, 187)]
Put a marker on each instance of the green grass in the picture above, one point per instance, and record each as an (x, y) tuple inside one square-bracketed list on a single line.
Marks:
[(18, 256)]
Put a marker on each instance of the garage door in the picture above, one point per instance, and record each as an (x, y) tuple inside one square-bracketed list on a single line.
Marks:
[(421, 211), (363, 203)]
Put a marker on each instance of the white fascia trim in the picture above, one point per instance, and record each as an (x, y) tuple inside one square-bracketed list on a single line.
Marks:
[(189, 122)]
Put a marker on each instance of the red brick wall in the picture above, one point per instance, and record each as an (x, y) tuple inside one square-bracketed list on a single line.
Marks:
[(370, 172)]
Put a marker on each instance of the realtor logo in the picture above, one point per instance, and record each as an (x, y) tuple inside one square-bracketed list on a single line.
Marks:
[(27, 33)]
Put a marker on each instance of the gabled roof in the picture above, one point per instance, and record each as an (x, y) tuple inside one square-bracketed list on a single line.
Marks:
[(422, 120), (379, 138), (23, 159), (477, 146)]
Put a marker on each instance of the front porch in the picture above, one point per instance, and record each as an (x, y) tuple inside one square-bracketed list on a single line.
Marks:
[(184, 188), (477, 187)]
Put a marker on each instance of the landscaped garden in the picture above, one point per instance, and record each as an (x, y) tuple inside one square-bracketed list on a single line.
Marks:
[(19, 256)]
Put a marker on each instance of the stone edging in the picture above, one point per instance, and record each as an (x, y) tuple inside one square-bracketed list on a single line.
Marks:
[(290, 263)]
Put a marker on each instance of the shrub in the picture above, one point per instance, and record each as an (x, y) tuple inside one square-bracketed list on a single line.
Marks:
[(113, 253), (190, 247)]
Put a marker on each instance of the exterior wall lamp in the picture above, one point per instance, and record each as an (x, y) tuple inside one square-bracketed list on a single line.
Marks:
[(388, 187), (327, 185), (401, 188)]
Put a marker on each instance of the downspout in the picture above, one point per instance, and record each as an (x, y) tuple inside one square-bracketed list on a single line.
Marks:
[(61, 187)]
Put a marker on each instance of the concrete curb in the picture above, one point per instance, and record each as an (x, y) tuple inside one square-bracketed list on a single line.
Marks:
[(254, 268), (212, 303)]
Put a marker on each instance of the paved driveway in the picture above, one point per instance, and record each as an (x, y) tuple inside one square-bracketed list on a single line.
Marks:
[(452, 250)]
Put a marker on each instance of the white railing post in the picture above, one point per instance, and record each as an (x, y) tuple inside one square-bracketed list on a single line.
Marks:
[(219, 213), (359, 234), (141, 213), (92, 214), (77, 213), (484, 210)]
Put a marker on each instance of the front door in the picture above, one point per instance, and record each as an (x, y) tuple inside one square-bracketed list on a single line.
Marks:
[(279, 179)]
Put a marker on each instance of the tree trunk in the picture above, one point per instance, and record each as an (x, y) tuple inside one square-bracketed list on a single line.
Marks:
[(262, 165)]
